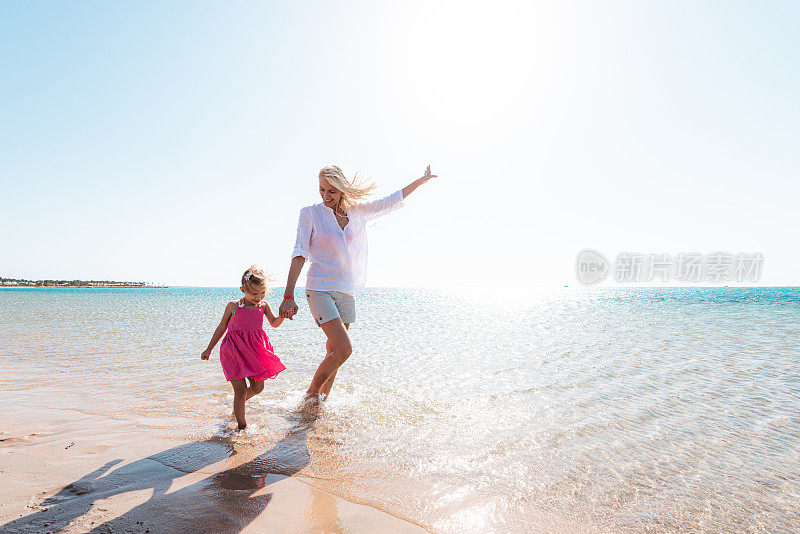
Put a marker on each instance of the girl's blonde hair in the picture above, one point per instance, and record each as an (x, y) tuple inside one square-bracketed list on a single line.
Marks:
[(254, 277), (352, 190)]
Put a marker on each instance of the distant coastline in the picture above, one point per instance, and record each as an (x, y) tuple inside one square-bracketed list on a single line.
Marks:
[(18, 282)]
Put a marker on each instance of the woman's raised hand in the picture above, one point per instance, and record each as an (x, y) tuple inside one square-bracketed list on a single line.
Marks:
[(407, 190), (427, 176)]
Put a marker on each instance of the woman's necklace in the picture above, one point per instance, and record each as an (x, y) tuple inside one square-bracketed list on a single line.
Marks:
[(338, 214)]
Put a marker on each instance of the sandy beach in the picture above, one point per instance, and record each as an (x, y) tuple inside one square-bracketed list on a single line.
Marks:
[(70, 471)]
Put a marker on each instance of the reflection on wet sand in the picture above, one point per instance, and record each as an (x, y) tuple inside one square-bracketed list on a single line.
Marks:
[(223, 502)]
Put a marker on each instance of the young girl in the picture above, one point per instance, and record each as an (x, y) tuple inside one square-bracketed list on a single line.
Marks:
[(246, 352)]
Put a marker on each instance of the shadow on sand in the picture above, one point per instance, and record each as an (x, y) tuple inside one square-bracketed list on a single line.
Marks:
[(222, 502)]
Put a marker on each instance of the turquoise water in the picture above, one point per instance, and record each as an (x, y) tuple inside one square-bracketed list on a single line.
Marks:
[(470, 410)]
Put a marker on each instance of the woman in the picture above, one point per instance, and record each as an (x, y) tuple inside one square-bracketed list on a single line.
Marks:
[(332, 235)]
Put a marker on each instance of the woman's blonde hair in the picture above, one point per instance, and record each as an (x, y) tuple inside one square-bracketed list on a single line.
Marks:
[(352, 190), (254, 277)]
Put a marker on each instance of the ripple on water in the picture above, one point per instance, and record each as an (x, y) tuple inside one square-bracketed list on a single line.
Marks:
[(596, 410)]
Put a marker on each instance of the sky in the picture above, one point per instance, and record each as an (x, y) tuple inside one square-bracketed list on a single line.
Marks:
[(175, 142)]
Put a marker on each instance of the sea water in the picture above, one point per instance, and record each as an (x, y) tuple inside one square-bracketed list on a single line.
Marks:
[(468, 410)]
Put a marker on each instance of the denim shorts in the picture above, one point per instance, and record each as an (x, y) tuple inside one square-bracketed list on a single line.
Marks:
[(328, 305)]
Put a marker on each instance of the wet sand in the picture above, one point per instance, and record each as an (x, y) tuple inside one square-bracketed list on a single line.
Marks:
[(65, 470)]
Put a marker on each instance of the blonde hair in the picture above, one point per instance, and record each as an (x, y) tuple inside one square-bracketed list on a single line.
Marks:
[(254, 277), (352, 190)]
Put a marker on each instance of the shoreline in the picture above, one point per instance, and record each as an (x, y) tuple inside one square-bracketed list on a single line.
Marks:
[(76, 471), (85, 287)]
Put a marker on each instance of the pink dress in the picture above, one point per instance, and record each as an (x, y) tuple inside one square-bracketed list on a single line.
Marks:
[(246, 350)]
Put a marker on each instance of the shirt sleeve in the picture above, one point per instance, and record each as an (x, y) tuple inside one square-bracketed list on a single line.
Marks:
[(382, 206), (304, 228)]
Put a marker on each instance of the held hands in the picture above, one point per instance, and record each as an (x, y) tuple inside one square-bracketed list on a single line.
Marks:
[(206, 354), (288, 309)]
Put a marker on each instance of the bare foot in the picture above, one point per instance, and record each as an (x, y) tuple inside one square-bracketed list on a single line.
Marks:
[(310, 403)]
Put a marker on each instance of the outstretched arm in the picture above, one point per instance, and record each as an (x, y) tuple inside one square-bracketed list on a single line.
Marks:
[(407, 190), (382, 206), (273, 321), (223, 325), (289, 307)]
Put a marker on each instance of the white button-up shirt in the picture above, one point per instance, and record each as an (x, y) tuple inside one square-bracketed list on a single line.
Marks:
[(338, 257)]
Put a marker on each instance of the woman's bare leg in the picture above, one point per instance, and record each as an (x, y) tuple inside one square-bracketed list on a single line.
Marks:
[(239, 396), (340, 351), (325, 390)]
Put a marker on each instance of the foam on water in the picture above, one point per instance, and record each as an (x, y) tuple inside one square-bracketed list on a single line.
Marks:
[(601, 409)]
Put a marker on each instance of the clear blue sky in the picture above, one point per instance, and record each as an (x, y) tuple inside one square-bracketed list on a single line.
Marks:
[(175, 142)]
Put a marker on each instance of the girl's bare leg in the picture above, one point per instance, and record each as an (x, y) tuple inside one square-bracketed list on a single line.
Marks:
[(340, 351), (255, 387), (239, 396), (325, 390)]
